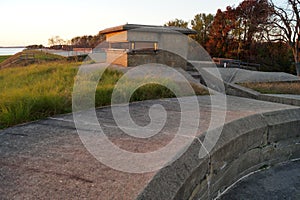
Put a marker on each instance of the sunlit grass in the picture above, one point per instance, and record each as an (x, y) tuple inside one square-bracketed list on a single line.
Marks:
[(35, 92), (41, 90), (275, 88)]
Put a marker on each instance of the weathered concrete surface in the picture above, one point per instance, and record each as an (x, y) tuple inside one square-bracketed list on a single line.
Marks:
[(279, 182), (244, 146), (46, 159)]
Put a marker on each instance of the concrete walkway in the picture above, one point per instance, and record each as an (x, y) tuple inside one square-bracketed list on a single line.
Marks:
[(47, 160)]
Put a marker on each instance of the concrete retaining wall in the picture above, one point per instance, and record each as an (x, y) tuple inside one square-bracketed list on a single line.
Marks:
[(239, 91), (245, 145)]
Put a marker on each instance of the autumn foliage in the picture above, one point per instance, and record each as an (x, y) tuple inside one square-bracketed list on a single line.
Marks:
[(255, 31)]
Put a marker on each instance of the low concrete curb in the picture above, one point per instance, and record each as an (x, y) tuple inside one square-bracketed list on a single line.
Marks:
[(246, 145), (237, 90), (278, 99)]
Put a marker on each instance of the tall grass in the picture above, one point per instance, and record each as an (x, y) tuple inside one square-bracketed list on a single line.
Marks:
[(41, 90), (35, 92)]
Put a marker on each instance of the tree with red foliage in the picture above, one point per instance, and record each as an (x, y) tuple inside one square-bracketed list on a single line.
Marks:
[(220, 39), (235, 30)]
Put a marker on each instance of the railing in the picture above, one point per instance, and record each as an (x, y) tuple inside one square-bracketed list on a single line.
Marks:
[(230, 63)]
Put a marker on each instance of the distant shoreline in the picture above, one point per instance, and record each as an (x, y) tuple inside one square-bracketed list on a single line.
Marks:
[(13, 47)]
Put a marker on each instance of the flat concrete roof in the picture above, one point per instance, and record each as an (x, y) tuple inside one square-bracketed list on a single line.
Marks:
[(148, 28)]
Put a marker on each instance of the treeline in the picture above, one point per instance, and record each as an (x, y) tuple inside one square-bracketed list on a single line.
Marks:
[(86, 41), (255, 31)]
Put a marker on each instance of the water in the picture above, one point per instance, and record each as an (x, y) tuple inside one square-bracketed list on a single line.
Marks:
[(10, 51)]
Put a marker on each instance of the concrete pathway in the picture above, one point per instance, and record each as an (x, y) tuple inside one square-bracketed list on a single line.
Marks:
[(47, 160)]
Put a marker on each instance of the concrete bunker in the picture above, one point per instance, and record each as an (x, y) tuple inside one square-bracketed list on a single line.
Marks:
[(132, 45)]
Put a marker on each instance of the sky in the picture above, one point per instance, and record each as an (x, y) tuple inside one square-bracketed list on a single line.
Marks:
[(27, 22)]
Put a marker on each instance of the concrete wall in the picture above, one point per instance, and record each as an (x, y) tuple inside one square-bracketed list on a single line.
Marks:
[(162, 57), (239, 91), (135, 35), (245, 145), (175, 43), (120, 57), (117, 57), (117, 37)]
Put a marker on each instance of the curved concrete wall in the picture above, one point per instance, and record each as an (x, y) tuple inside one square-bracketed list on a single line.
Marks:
[(237, 90), (245, 145)]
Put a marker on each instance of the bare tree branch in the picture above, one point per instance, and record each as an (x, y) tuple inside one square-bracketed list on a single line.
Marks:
[(288, 20)]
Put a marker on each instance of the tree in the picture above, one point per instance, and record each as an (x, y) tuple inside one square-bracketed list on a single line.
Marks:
[(178, 23), (220, 41), (56, 40), (202, 24), (51, 41), (87, 41), (252, 16), (235, 31), (97, 39), (273, 56), (287, 27)]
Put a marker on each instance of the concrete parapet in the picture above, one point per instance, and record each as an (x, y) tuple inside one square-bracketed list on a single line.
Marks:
[(279, 99), (239, 91), (245, 145)]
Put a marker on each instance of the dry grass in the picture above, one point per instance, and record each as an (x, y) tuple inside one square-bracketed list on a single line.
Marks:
[(275, 87)]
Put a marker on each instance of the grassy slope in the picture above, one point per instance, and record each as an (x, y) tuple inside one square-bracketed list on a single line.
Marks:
[(34, 93), (28, 57), (275, 88), (42, 90), (2, 58)]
